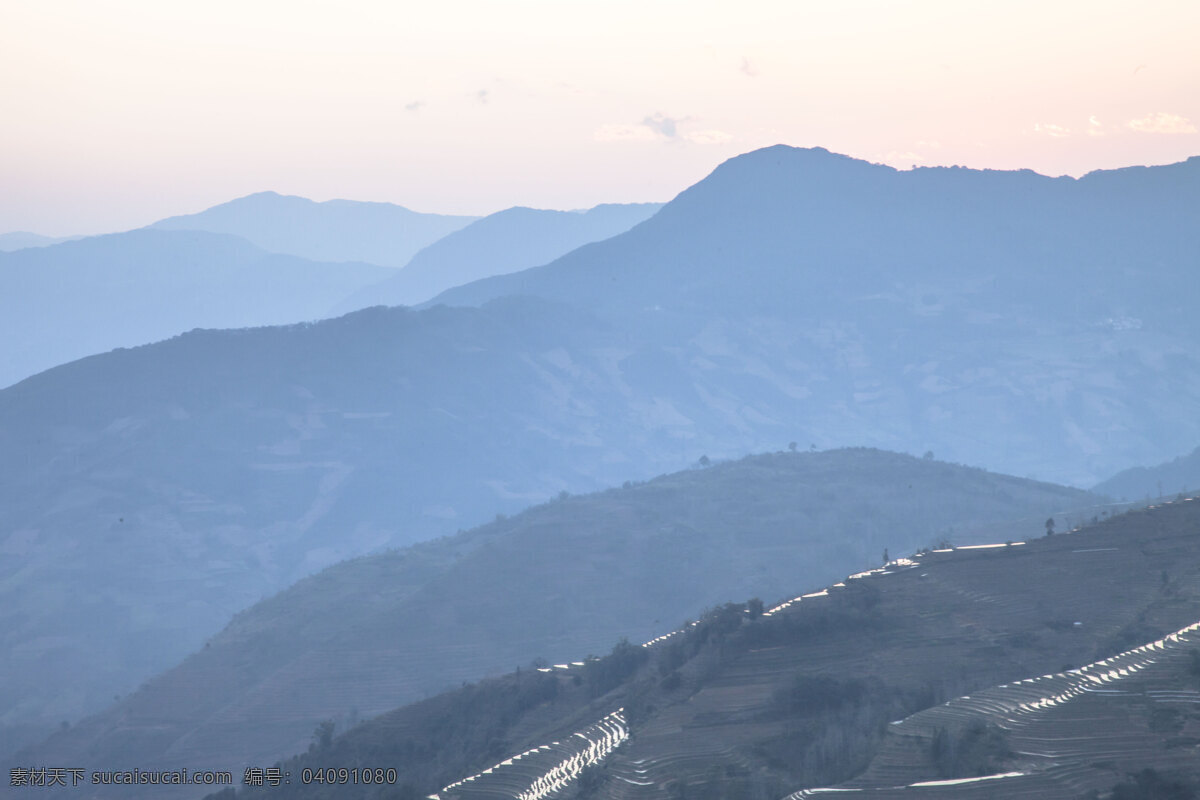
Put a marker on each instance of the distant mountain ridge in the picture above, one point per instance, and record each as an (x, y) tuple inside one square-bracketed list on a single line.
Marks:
[(1179, 475), (790, 214), (334, 230), (987, 298), (19, 240), (66, 301), (504, 242)]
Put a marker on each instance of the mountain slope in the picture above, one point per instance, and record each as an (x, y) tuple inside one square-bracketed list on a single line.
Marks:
[(762, 705), (1062, 735), (75, 299), (506, 241), (1177, 475), (558, 581), (228, 464), (335, 230), (924, 305), (791, 216)]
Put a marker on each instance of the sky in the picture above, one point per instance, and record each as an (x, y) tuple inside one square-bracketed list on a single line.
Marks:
[(114, 114)]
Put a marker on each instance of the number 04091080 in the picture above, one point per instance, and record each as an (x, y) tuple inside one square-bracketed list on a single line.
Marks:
[(339, 775)]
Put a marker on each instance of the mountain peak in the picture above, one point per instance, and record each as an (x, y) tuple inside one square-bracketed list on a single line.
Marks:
[(333, 230)]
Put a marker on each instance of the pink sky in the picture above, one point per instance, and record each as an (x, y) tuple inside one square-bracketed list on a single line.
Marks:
[(119, 113)]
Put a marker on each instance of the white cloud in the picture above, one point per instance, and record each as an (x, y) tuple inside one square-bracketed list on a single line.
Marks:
[(1162, 122), (659, 127), (662, 124), (708, 137), (748, 68), (1052, 130), (1095, 127), (415, 105)]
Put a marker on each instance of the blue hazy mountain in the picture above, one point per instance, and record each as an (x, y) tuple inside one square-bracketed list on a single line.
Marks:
[(919, 306), (78, 298), (228, 464), (1029, 325), (507, 241), (813, 226), (1179, 475), (19, 240), (335, 230)]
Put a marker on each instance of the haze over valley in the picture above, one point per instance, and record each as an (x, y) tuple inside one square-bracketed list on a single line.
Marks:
[(609, 402)]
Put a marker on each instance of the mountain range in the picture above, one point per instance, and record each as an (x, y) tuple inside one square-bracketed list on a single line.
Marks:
[(920, 306), (1031, 325), (558, 581), (123, 290), (504, 242), (63, 302)]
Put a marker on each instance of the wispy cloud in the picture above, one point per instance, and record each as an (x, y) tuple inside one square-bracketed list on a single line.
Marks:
[(1095, 127), (661, 128), (1162, 122), (483, 95), (415, 105), (747, 68), (1051, 130), (663, 125)]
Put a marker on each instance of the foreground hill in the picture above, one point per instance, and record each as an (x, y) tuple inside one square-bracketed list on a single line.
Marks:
[(507, 241), (1177, 475), (335, 230), (862, 686), (921, 306), (558, 581), (63, 302)]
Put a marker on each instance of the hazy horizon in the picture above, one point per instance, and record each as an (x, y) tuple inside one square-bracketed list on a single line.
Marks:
[(190, 210), (117, 116)]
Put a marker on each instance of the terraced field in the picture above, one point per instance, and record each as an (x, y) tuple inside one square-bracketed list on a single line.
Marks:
[(1047, 668), (952, 620), (552, 766), (1067, 733)]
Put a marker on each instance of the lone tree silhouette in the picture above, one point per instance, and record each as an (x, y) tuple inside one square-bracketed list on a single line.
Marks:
[(1050, 526)]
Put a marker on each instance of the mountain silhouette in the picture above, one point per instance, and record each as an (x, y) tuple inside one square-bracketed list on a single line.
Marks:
[(335, 230), (78, 298), (507, 241)]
